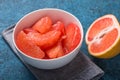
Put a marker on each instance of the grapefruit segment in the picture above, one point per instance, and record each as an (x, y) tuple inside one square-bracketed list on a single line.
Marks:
[(45, 40), (55, 51), (103, 37), (28, 47), (73, 37), (43, 25), (59, 26)]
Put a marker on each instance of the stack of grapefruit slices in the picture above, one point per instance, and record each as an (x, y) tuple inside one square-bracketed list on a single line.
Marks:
[(103, 37)]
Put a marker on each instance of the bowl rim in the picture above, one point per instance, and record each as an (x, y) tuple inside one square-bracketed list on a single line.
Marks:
[(61, 10)]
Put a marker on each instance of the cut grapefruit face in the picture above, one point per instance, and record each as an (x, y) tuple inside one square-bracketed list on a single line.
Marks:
[(103, 37)]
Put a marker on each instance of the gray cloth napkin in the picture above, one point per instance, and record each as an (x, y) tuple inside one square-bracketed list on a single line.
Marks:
[(81, 68)]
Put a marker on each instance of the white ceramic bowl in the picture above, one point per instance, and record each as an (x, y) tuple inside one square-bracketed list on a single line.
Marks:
[(55, 14)]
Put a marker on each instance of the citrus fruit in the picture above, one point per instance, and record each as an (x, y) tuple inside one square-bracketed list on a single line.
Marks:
[(73, 36), (55, 51), (59, 26), (28, 47), (46, 40), (43, 25), (103, 37)]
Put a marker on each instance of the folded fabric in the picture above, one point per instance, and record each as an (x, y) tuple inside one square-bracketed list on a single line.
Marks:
[(81, 68)]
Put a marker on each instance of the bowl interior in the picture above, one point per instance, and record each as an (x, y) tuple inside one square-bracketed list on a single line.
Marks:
[(55, 14)]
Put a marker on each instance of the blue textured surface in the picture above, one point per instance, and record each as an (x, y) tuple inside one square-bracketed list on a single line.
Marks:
[(87, 11)]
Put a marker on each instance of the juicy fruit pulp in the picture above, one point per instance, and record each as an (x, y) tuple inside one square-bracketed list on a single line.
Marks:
[(107, 39), (28, 47), (45, 40), (55, 51), (72, 37), (103, 37), (43, 25), (98, 27)]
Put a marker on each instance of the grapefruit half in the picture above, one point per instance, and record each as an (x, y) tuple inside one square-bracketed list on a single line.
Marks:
[(103, 37)]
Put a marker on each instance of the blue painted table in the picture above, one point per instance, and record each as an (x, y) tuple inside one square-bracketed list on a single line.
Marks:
[(87, 11)]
